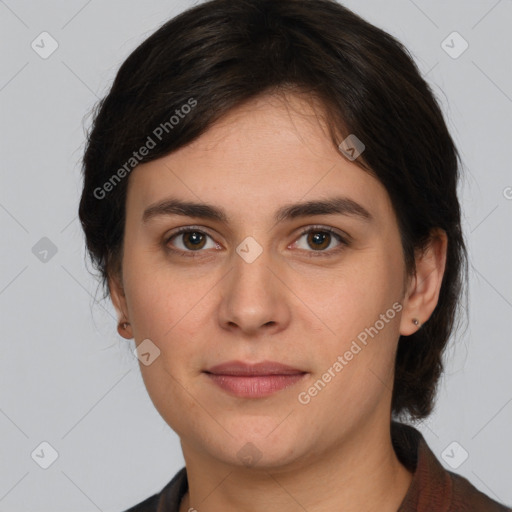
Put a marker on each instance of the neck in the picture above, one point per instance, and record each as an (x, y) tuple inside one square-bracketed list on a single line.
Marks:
[(362, 473)]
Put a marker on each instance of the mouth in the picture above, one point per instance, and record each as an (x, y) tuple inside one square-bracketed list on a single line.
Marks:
[(254, 380)]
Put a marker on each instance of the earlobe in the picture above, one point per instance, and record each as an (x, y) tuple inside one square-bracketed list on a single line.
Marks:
[(124, 330), (119, 301), (424, 287)]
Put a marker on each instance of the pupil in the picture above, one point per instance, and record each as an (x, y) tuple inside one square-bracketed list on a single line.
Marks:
[(195, 236)]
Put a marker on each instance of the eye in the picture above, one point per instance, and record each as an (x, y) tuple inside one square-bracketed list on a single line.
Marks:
[(320, 238), (192, 240)]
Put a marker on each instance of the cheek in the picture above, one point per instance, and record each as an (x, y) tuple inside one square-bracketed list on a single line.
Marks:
[(161, 297), (352, 297), (361, 308), (166, 309), (172, 308), (354, 365)]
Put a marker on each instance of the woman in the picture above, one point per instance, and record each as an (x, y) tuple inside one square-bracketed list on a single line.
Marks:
[(270, 197)]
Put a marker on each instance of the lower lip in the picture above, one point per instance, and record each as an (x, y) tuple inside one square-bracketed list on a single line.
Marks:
[(254, 386)]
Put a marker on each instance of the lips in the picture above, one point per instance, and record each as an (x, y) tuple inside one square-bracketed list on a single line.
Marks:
[(254, 369), (254, 380)]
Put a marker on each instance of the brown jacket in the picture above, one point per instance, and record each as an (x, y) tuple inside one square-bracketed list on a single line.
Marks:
[(433, 488)]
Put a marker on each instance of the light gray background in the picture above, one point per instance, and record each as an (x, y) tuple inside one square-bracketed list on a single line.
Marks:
[(66, 376)]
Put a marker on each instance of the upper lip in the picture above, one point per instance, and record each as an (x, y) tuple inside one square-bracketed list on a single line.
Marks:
[(264, 368)]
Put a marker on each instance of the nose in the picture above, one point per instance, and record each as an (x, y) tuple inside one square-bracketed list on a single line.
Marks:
[(254, 297)]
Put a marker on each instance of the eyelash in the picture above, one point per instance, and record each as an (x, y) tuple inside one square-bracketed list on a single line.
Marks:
[(315, 229)]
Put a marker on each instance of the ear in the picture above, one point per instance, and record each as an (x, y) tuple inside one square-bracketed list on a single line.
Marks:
[(424, 286), (118, 297)]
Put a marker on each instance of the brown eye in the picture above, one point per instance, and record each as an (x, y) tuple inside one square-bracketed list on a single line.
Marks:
[(319, 239), (189, 240)]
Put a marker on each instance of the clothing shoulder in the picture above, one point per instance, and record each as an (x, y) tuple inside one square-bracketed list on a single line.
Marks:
[(168, 499), (433, 488), (467, 498), (148, 505)]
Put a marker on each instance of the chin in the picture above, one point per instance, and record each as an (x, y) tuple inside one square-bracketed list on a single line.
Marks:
[(258, 444)]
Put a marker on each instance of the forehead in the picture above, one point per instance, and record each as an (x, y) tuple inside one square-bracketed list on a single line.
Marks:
[(268, 151)]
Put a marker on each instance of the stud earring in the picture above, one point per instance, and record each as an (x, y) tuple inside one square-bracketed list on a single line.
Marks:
[(416, 322), (122, 326)]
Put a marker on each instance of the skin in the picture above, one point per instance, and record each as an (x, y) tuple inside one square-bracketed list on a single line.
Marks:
[(285, 306)]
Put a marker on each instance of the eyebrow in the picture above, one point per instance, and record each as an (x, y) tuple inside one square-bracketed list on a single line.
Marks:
[(330, 206)]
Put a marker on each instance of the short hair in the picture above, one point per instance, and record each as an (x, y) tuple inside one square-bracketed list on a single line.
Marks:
[(220, 54)]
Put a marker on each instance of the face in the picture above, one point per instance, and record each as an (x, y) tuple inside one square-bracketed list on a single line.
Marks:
[(318, 289)]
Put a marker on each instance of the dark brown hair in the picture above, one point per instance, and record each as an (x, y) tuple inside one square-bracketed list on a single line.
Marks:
[(221, 53)]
